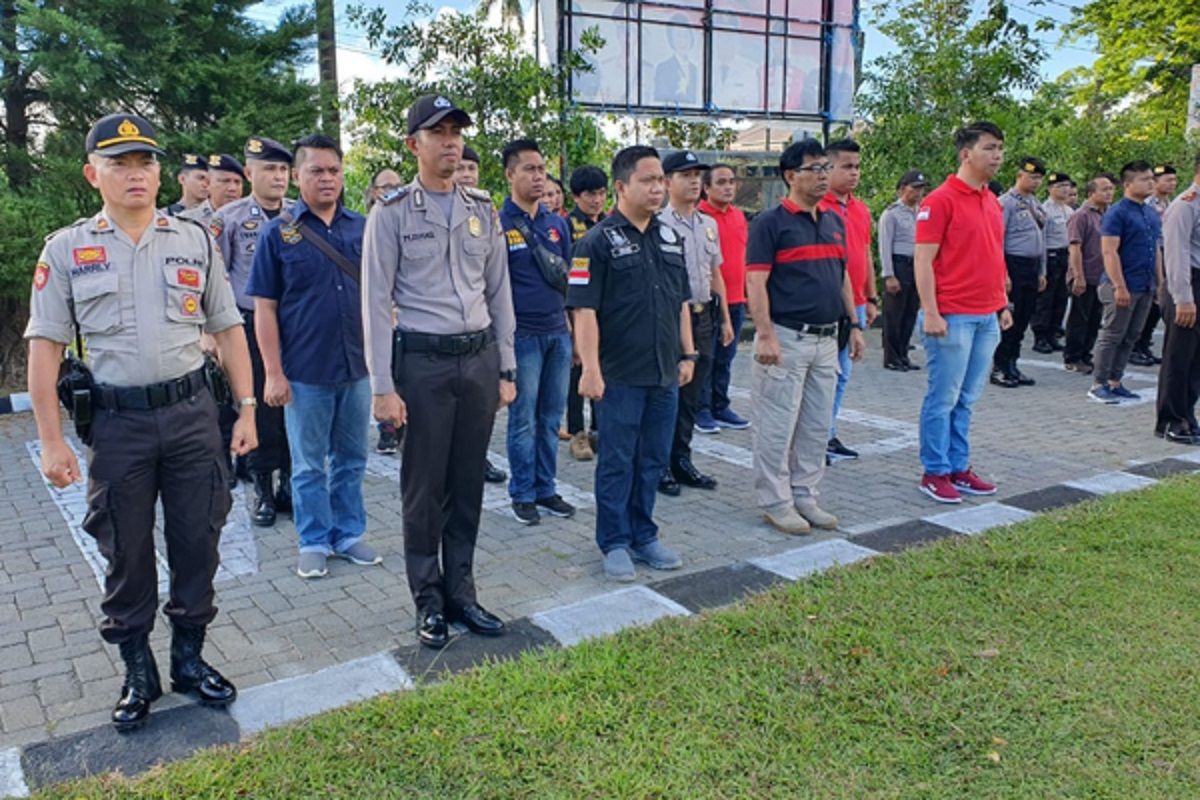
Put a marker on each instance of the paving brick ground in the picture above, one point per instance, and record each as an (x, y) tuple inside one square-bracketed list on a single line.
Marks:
[(57, 677)]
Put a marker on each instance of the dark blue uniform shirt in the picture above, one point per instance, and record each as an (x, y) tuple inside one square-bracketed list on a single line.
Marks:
[(637, 283), (539, 307), (320, 313), (1140, 230)]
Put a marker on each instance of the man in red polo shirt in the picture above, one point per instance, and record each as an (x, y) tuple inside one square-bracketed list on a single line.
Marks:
[(846, 160), (959, 264), (720, 186)]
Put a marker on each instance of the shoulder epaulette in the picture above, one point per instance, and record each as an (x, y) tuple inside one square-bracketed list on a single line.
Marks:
[(74, 224), (394, 195), (1188, 196), (476, 193)]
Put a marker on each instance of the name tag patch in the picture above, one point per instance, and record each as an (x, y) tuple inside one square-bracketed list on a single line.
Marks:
[(89, 255), (417, 236)]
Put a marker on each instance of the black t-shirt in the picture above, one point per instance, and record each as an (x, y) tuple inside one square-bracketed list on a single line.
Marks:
[(637, 284), (806, 259)]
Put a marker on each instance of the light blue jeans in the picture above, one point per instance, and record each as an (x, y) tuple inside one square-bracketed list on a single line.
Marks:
[(845, 366), (543, 370), (327, 425), (958, 365)]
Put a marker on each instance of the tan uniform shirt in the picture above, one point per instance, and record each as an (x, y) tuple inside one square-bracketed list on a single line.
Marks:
[(236, 226), (202, 213), (701, 249), (444, 276), (140, 307)]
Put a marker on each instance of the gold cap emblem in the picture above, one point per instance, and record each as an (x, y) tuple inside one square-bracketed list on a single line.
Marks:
[(128, 128), (254, 146)]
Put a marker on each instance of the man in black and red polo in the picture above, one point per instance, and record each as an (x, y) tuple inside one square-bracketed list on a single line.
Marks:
[(798, 288)]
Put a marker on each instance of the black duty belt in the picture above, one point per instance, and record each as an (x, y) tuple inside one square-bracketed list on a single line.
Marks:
[(898, 258), (146, 398), (812, 330), (460, 344)]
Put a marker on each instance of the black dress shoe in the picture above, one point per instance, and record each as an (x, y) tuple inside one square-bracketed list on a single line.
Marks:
[(686, 473), (1057, 344), (1001, 378), (911, 367), (1142, 357), (1022, 378), (668, 485), (477, 619), (895, 366), (1043, 346), (432, 632), (493, 475), (1180, 436)]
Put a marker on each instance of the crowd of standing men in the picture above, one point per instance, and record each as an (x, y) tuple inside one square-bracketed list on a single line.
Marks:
[(438, 309)]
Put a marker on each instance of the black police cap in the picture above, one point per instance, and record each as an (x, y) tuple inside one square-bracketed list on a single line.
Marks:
[(1164, 169), (118, 134), (225, 163), (682, 160), (260, 148), (192, 161), (914, 177), (431, 109), (1033, 166), (470, 155), (587, 179), (1058, 177)]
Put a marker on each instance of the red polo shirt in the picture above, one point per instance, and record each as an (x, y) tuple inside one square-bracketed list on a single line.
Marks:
[(968, 226), (731, 227), (857, 219)]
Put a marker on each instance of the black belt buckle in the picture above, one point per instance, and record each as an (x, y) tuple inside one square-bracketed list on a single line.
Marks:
[(157, 395), (460, 344)]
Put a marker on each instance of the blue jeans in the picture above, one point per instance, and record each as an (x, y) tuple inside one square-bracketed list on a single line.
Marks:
[(714, 395), (636, 426), (543, 370), (845, 365), (958, 365), (328, 423)]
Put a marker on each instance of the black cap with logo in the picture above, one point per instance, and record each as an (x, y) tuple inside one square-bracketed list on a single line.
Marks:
[(1033, 166), (260, 148), (1058, 177), (192, 161), (914, 177), (225, 163), (469, 154), (1164, 169), (682, 160), (431, 109), (118, 134)]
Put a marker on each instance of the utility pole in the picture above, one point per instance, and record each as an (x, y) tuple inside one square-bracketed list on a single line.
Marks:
[(327, 83)]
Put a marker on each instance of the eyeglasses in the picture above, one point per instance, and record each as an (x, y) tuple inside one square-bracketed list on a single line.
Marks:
[(816, 169)]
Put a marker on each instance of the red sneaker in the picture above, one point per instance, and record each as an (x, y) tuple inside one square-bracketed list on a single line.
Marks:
[(968, 482), (940, 488)]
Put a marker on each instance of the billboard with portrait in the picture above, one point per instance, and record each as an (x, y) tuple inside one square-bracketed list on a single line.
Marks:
[(778, 59)]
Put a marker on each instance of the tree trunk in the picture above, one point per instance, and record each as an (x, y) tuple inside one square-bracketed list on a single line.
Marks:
[(14, 83)]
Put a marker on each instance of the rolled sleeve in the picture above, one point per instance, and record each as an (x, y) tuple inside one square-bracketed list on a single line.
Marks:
[(220, 307)]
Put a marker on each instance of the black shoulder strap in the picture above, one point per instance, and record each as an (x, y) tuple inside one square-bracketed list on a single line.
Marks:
[(316, 240)]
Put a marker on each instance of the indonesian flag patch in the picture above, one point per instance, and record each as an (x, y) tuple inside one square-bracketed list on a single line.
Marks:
[(580, 272)]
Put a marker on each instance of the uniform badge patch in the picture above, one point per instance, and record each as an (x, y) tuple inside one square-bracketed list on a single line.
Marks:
[(41, 275), (216, 226), (555, 236), (162, 222), (923, 214), (254, 211), (474, 225), (89, 255), (190, 305), (102, 224), (188, 277), (668, 233), (1187, 197), (580, 272), (250, 225), (289, 234), (515, 239), (711, 234)]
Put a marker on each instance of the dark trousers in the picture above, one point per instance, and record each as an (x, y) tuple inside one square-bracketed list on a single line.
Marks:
[(1023, 272), (714, 394), (451, 407), (635, 438), (900, 312), (136, 458), (272, 451), (1083, 323), (1179, 375), (575, 404), (689, 394), (1052, 303), (1147, 338)]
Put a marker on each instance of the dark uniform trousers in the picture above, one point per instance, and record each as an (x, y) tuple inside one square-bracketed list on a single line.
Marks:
[(575, 404), (1146, 340), (451, 402), (1083, 324), (900, 311), (135, 458), (1179, 375), (703, 324), (272, 452), (1023, 272), (1052, 303)]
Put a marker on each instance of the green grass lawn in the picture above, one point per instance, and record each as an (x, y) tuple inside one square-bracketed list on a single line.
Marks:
[(1057, 658)]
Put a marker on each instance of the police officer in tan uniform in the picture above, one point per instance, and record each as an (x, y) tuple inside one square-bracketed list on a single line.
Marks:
[(237, 226), (193, 184), (141, 286), (225, 176), (436, 251)]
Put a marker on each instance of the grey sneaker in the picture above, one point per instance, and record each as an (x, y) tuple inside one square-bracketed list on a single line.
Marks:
[(656, 555), (618, 566), (817, 516), (786, 520), (360, 553), (312, 565)]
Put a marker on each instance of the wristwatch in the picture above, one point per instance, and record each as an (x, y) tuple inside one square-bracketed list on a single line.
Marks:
[(690, 357), (247, 401), (873, 301), (509, 375), (856, 326)]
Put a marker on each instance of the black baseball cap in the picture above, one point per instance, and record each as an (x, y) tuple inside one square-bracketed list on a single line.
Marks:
[(914, 177), (682, 160), (225, 163), (1164, 169), (1058, 177), (470, 155), (1034, 166), (192, 161), (260, 148), (118, 134), (431, 109)]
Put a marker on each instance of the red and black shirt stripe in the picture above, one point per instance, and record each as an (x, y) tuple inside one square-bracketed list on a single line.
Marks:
[(806, 259)]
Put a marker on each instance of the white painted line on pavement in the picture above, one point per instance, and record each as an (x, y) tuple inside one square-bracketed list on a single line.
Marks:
[(72, 504), (12, 776), (607, 614), (978, 519), (280, 702), (714, 447), (1191, 457), (795, 564), (495, 495), (1111, 483)]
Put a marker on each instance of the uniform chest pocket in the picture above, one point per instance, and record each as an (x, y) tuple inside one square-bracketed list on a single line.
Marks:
[(711, 247), (420, 251), (475, 247), (185, 292), (97, 302)]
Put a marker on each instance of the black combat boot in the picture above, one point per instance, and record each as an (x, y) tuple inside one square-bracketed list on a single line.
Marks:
[(142, 684), (264, 500), (283, 495), (190, 672)]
